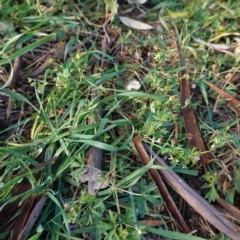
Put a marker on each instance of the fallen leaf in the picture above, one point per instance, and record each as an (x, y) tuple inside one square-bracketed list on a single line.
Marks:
[(214, 45), (134, 23), (133, 85), (218, 47), (225, 51), (90, 174), (233, 102)]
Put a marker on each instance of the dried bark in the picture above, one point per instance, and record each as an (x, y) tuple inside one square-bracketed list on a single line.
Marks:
[(16, 72), (170, 205), (230, 209), (94, 154), (28, 211), (190, 123), (235, 77), (196, 201)]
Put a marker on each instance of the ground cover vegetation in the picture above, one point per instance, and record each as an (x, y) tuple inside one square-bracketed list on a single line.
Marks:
[(119, 120)]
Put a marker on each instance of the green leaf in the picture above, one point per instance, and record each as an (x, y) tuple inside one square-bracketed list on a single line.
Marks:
[(6, 27), (112, 7), (212, 194), (18, 96), (169, 234), (26, 49), (133, 177), (134, 94), (230, 196)]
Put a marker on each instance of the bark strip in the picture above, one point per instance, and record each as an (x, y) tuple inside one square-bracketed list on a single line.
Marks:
[(19, 218), (190, 123), (170, 205), (16, 72), (232, 211), (201, 205), (94, 154)]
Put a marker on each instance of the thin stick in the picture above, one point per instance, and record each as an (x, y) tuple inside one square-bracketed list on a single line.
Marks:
[(202, 206), (171, 207)]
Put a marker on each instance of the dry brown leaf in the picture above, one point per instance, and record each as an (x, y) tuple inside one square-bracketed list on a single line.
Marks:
[(216, 46), (94, 154)]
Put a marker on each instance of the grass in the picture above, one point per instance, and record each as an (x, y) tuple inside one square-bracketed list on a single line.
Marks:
[(54, 107)]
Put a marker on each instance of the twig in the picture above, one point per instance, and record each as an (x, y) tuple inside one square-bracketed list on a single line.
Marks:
[(94, 155), (48, 61), (23, 227), (16, 69), (234, 212), (190, 123), (171, 207), (202, 206), (15, 216)]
